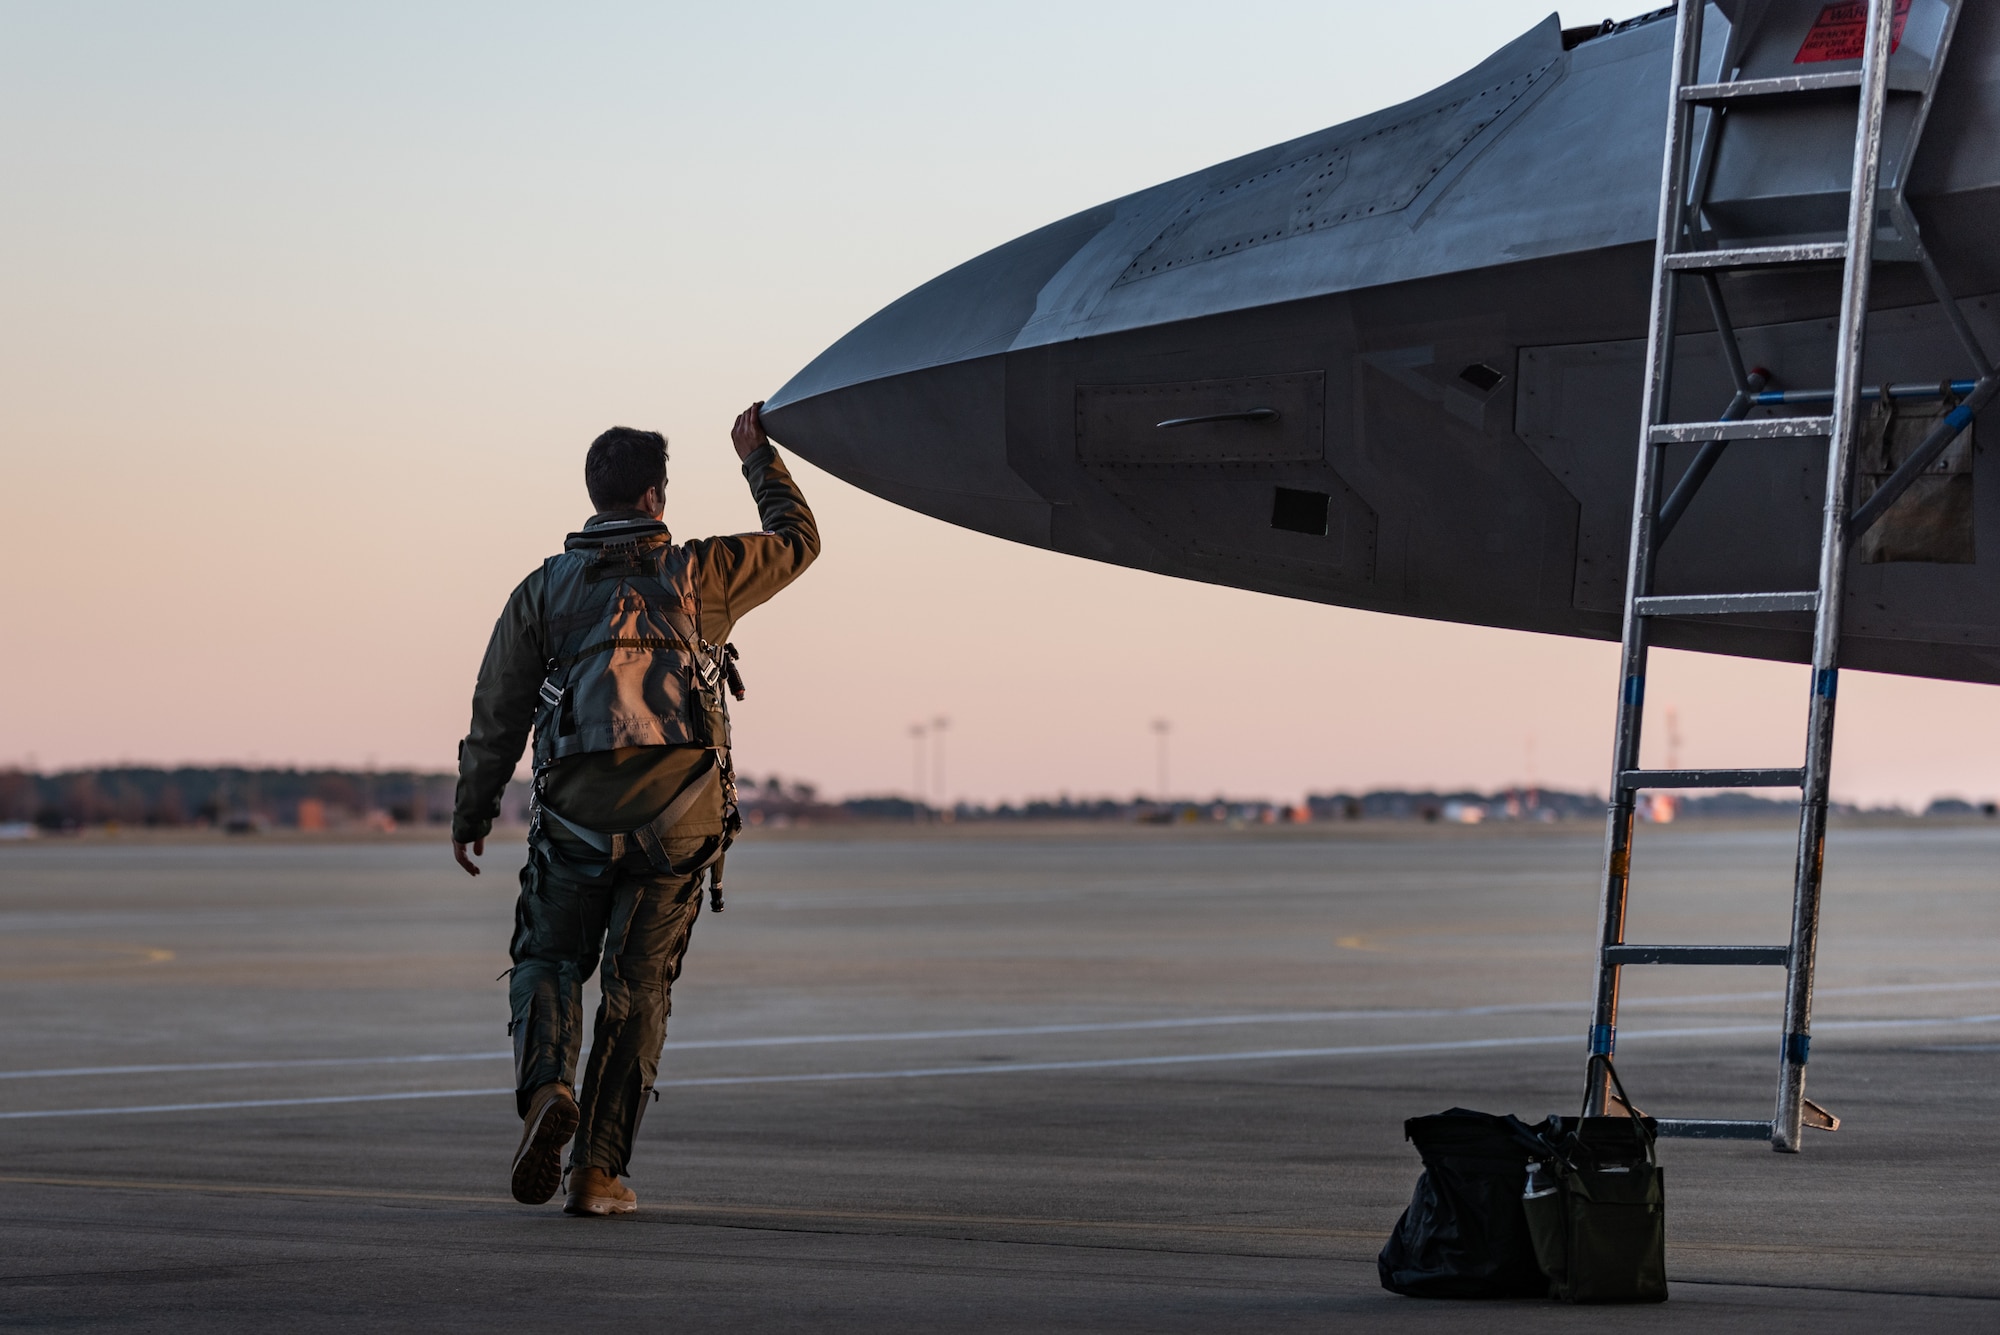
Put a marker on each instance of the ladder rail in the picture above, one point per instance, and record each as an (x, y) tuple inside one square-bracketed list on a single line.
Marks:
[(1908, 244), (1622, 810), (1808, 880)]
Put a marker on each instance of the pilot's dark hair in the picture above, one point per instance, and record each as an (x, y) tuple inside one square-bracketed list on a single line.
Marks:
[(622, 463)]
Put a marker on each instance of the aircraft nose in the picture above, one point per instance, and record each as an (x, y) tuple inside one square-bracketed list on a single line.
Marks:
[(912, 405)]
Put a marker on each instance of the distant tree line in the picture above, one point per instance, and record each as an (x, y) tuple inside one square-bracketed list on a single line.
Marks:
[(244, 800), (224, 797), (774, 801)]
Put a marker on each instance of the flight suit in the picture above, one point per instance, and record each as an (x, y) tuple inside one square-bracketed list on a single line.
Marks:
[(576, 913)]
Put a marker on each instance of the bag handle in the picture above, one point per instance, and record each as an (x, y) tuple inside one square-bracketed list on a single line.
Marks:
[(1645, 1137), (1532, 1141)]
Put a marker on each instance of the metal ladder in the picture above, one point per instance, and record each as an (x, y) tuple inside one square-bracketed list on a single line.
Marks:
[(1690, 247)]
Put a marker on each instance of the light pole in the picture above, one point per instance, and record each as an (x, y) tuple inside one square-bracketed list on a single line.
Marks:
[(1665, 805), (938, 726), (917, 734), (1160, 730)]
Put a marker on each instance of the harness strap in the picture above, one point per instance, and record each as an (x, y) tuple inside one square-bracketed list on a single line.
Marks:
[(613, 845)]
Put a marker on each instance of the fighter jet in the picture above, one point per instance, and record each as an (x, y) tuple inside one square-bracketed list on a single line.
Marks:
[(1397, 364)]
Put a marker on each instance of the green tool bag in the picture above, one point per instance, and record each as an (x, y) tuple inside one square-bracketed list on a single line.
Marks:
[(1597, 1209)]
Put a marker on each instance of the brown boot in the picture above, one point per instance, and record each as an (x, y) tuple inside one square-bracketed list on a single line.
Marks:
[(594, 1191), (551, 1121)]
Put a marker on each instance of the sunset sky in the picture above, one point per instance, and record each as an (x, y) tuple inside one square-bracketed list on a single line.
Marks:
[(311, 310)]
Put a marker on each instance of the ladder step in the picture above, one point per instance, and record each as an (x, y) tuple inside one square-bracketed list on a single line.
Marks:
[(1715, 1128), (1727, 604), (1794, 85), (1762, 428), (1709, 94), (1778, 955), (1757, 257), (1633, 780), (1711, 1128)]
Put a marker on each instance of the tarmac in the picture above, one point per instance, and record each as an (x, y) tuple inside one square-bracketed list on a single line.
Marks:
[(979, 1079)]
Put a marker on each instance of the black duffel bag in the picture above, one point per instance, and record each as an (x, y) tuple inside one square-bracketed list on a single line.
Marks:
[(1465, 1234), (1597, 1209)]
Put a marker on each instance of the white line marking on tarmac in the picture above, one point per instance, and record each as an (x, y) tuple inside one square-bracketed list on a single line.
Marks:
[(1026, 1031), (1000, 1068), (257, 1103), (1961, 1047), (274, 1065)]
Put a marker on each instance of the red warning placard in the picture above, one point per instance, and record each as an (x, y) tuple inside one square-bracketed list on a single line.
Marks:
[(1841, 30)]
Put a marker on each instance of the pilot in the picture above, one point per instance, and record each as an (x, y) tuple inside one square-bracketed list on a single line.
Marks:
[(617, 654)]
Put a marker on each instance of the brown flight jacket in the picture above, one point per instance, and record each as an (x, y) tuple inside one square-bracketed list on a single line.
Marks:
[(622, 789)]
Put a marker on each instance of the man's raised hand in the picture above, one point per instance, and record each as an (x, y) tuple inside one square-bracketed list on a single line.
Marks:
[(748, 433)]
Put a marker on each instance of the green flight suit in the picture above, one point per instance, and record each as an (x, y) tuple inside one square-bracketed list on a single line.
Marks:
[(630, 917)]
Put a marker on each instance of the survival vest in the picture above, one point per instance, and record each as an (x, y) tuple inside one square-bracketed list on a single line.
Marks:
[(627, 665)]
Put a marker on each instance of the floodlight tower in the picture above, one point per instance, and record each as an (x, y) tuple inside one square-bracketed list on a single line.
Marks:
[(918, 733), (938, 726)]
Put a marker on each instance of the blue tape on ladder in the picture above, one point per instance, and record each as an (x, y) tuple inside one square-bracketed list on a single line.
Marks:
[(1635, 691), (1959, 418), (1915, 390), (1603, 1039), (1796, 1048), (1826, 683)]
